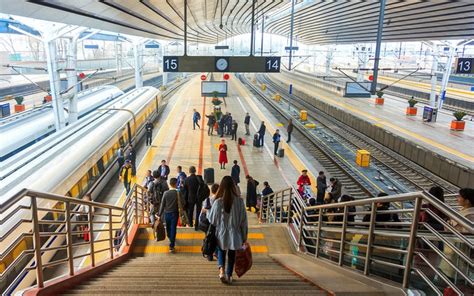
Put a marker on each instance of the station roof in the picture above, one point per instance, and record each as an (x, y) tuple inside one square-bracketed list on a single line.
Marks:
[(316, 22)]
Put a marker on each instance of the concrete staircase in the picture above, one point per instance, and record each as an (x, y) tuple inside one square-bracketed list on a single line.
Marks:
[(153, 270)]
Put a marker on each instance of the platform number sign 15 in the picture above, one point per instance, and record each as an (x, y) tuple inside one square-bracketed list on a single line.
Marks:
[(272, 64), (465, 66), (170, 64)]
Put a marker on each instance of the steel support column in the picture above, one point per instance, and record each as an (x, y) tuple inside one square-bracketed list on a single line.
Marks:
[(291, 33), (446, 74), (252, 30), (138, 64), (54, 83), (373, 87), (434, 78), (263, 29), (72, 79)]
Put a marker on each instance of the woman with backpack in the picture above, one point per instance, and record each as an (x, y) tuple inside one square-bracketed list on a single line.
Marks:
[(230, 219)]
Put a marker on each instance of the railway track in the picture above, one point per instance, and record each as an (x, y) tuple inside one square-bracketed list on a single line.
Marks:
[(403, 174), (352, 183)]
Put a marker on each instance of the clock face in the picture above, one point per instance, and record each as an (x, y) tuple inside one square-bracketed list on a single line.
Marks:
[(222, 64)]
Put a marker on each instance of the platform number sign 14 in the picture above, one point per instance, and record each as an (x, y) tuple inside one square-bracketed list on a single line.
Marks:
[(272, 64), (465, 66), (170, 64)]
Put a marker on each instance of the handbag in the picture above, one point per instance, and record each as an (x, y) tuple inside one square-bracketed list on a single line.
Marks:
[(243, 259), (209, 244), (203, 221), (183, 215), (159, 230)]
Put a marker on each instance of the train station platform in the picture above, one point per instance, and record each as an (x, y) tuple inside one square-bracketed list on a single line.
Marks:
[(436, 137), (277, 268)]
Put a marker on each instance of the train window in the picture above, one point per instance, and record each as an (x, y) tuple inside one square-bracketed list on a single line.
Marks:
[(100, 166)]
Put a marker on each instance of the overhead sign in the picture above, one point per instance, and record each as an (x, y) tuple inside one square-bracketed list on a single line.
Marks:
[(291, 48), (465, 66), (91, 46), (152, 45), (290, 91), (214, 88), (237, 64), (221, 47), (357, 90)]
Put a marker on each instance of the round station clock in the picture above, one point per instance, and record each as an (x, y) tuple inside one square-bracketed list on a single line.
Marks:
[(222, 64)]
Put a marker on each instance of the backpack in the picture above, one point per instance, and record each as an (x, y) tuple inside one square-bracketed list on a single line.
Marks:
[(157, 194), (203, 192), (203, 221), (209, 244)]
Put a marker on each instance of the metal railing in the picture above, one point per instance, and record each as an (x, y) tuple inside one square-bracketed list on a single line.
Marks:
[(376, 238), (69, 231)]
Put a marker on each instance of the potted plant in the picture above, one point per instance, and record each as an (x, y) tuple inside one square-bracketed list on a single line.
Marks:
[(458, 124), (215, 98), (411, 109), (19, 107), (379, 100)]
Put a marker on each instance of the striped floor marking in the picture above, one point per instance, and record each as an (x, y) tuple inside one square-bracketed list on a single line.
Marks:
[(185, 249), (190, 236)]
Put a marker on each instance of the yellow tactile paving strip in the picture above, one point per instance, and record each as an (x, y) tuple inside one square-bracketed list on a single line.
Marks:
[(186, 249), (191, 236)]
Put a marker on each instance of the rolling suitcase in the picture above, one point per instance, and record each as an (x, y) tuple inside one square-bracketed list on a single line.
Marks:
[(281, 152), (209, 175)]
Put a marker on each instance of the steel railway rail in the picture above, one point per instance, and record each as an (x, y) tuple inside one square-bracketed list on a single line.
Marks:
[(394, 165)]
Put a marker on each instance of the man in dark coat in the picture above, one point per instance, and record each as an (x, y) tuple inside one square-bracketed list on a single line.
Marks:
[(322, 186), (235, 172), (191, 188), (234, 130), (247, 123), (229, 124), (149, 132), (289, 129), (261, 133), (222, 125), (211, 120), (251, 193), (164, 170)]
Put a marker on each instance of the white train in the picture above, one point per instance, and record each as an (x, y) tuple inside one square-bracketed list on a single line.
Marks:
[(24, 129), (74, 161)]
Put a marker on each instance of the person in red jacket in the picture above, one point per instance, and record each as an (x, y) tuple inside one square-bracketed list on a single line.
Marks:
[(222, 154), (303, 180)]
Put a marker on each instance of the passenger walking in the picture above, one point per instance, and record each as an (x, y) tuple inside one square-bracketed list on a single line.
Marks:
[(336, 190), (235, 173), (132, 156), (181, 177), (126, 175), (223, 154), (169, 207), (222, 125), (303, 182), (84, 217), (289, 129), (247, 124), (148, 181), (164, 170), (234, 130), (120, 157), (191, 188), (427, 218), (149, 132), (266, 189), (251, 193), (203, 194), (156, 192), (322, 186), (276, 141), (465, 200), (211, 121), (229, 124), (261, 134), (196, 118), (383, 217), (230, 219)]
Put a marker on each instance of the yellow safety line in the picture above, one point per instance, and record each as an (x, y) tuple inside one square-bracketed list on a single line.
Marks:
[(294, 159), (428, 86), (186, 249), (190, 236), (395, 127)]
